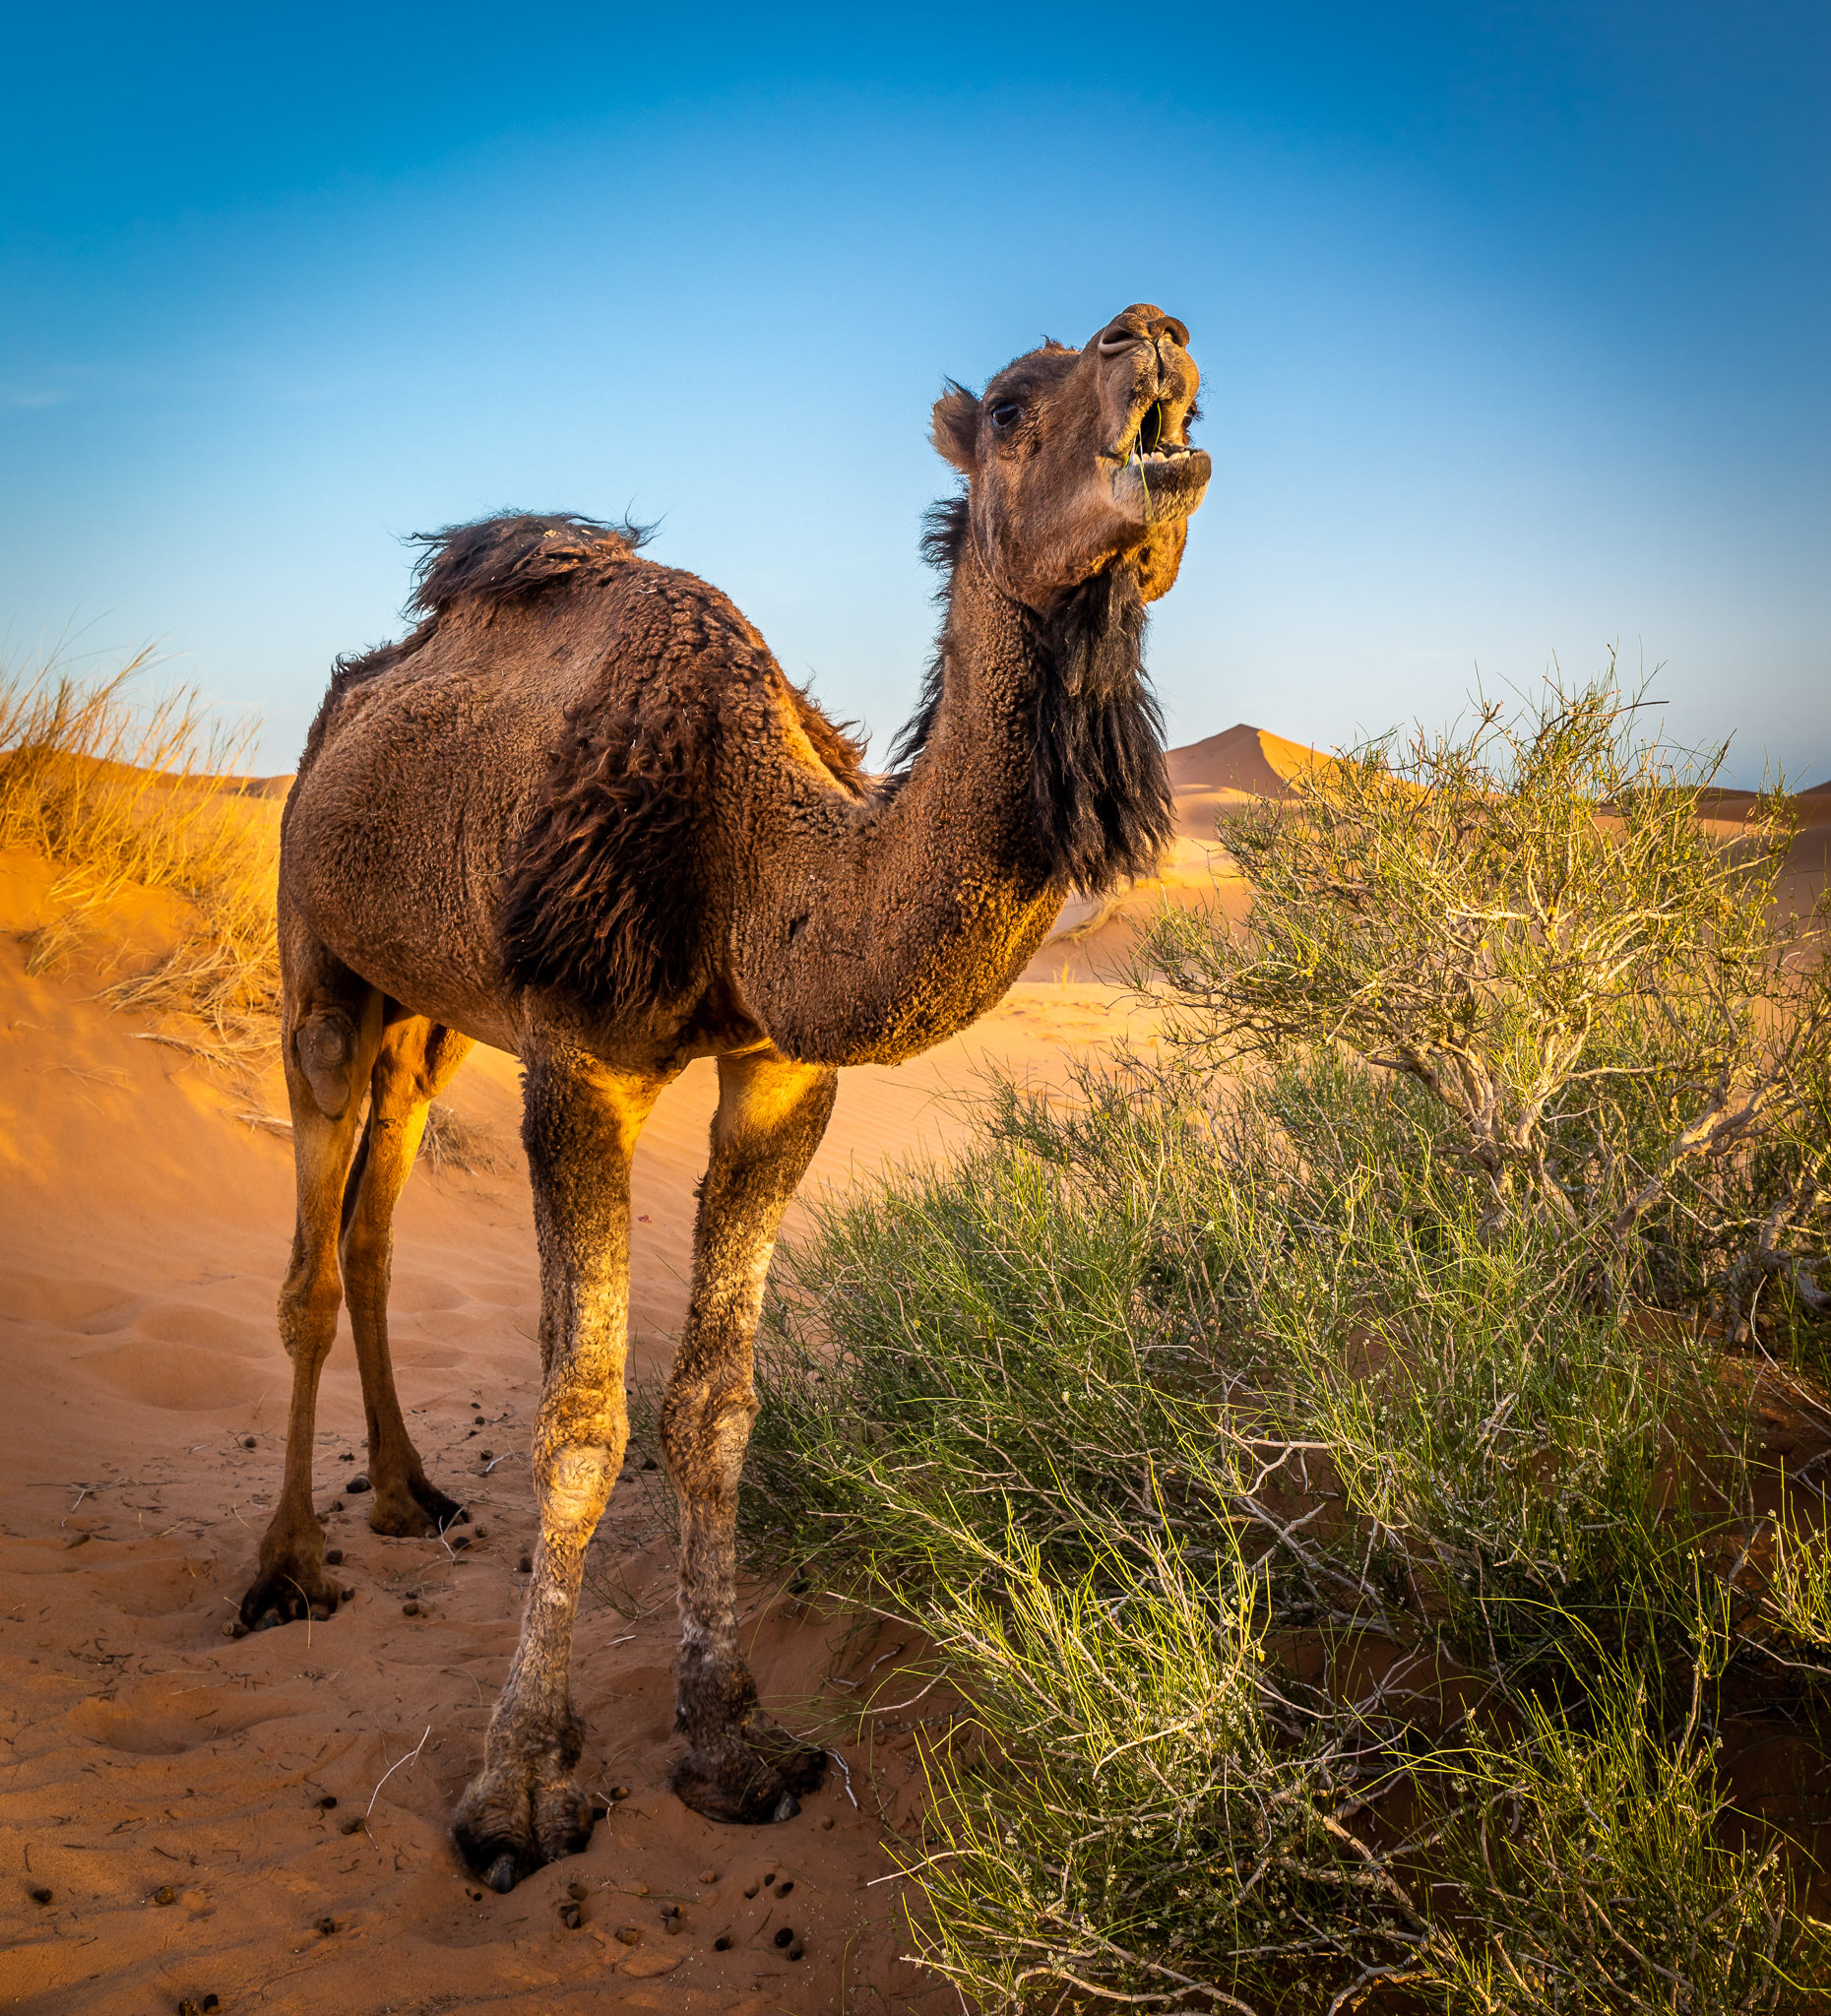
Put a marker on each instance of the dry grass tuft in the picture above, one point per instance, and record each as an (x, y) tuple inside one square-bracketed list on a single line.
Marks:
[(461, 1146), (122, 794)]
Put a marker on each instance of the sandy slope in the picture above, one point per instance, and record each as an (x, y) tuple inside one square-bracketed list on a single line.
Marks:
[(145, 1206)]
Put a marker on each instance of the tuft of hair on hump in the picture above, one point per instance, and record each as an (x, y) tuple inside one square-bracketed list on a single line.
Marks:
[(489, 561), (515, 553)]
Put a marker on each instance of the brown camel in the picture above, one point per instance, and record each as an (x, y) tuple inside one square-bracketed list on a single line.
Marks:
[(580, 814)]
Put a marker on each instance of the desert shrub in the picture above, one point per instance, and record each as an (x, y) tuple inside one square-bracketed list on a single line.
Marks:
[(1137, 1811), (1590, 1873), (121, 794), (1533, 920), (1311, 1332)]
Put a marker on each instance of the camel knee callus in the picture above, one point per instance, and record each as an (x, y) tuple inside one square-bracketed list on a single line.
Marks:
[(579, 814)]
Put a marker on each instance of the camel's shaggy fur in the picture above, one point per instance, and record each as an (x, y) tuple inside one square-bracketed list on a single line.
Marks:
[(580, 813)]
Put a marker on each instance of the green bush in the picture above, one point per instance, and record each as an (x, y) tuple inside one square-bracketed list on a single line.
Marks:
[(1235, 1422)]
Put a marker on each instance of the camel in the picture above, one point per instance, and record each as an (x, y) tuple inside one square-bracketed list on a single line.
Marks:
[(579, 814)]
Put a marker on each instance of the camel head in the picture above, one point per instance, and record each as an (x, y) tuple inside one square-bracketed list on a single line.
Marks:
[(1077, 458)]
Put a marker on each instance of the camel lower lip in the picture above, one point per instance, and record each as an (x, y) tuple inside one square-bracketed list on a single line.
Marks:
[(1162, 485)]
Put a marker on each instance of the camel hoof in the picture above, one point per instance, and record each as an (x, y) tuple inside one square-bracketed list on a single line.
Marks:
[(751, 1776), (422, 1511), (286, 1596), (513, 1819)]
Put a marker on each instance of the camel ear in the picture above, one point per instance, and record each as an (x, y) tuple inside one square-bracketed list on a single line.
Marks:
[(955, 429)]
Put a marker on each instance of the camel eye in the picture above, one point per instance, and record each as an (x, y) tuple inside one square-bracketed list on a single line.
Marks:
[(1006, 413)]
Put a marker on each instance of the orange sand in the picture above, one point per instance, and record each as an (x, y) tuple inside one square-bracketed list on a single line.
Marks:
[(147, 1204)]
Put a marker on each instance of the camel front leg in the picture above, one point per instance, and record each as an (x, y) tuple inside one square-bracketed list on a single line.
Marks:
[(579, 1123), (739, 1764)]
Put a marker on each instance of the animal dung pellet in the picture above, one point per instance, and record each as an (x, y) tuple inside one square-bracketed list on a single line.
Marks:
[(629, 1935), (525, 1566), (482, 1533), (826, 1825), (333, 1557), (328, 1801), (797, 1951), (348, 1456), (723, 1943), (327, 1926), (785, 1886), (353, 1825), (410, 1609), (649, 1463), (673, 1924), (165, 1894), (751, 1889), (459, 1541), (356, 1485), (248, 1443), (570, 1916), (786, 1937), (578, 1892), (233, 1630), (708, 1876), (39, 1893), (671, 1910), (619, 1792), (769, 1879)]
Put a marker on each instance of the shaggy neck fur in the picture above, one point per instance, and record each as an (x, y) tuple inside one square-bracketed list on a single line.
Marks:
[(1033, 766), (1097, 794)]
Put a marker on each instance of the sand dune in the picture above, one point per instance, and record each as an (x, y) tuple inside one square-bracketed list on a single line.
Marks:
[(165, 1782)]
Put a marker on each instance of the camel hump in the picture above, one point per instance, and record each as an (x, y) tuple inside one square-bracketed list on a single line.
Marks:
[(487, 563), (514, 555)]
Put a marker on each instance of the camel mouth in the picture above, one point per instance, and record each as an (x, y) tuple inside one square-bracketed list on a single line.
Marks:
[(1165, 481), (1144, 439)]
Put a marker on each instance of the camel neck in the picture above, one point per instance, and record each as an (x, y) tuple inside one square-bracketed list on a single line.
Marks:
[(1035, 767)]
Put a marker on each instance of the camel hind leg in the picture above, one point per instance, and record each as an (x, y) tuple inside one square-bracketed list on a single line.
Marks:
[(417, 1061), (331, 1029)]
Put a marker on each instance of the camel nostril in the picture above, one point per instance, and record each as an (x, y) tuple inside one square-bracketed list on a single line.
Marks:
[(1116, 339)]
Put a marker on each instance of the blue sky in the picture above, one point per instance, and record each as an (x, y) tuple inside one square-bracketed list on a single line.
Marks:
[(1514, 322)]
